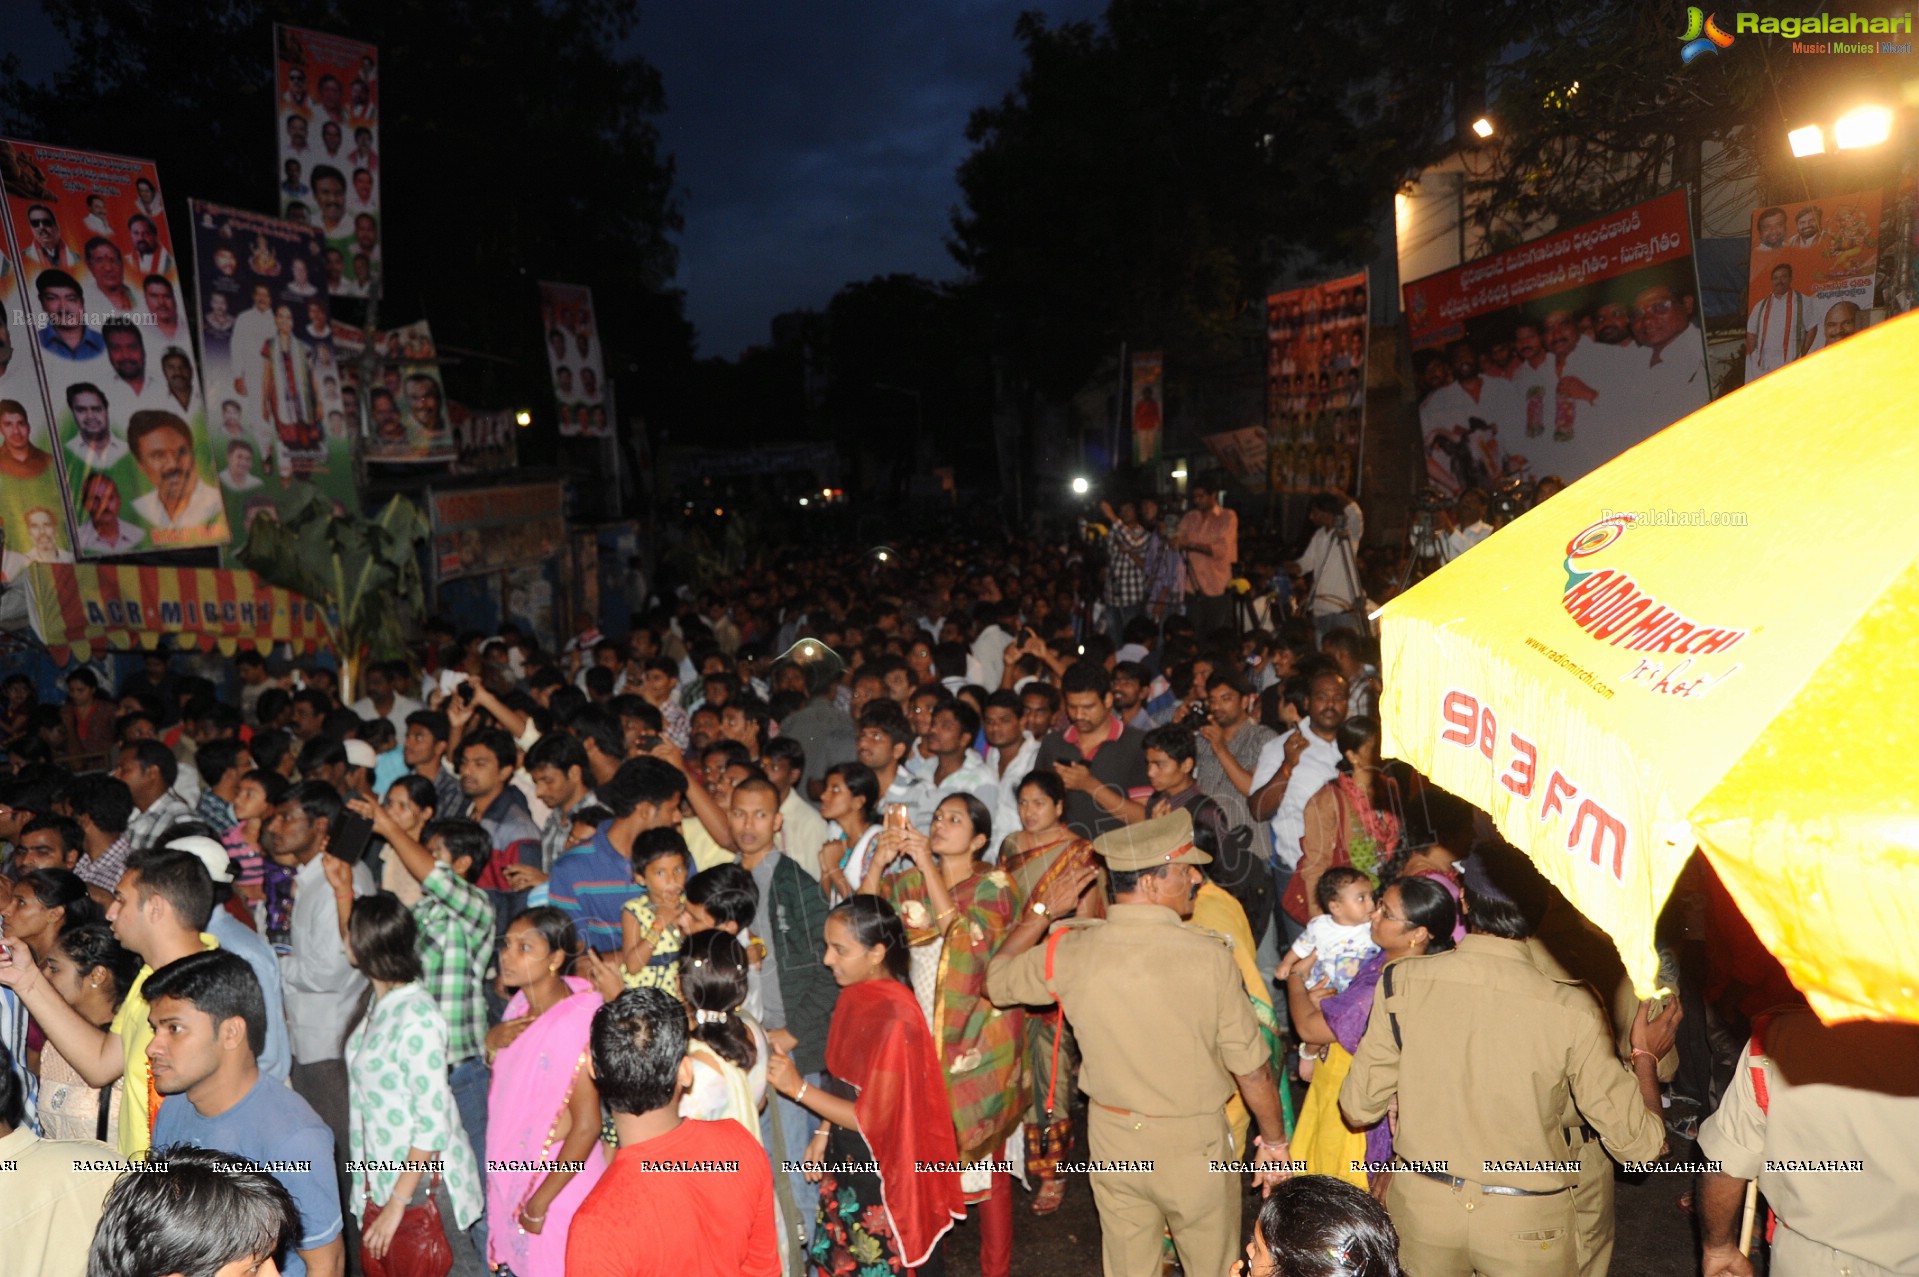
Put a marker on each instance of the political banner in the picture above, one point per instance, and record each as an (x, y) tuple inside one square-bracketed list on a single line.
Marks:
[(1147, 403), (406, 419), (481, 530), (117, 386), (327, 118), (484, 441), (1811, 278), (1242, 454), (573, 359), (1316, 385), (1553, 357), (33, 515), (278, 416)]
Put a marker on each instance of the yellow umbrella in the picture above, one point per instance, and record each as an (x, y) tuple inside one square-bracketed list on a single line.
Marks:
[(1710, 641)]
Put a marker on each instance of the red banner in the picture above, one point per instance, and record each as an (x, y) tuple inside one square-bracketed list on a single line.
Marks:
[(1648, 234)]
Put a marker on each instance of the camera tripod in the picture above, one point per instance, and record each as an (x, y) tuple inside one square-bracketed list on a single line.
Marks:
[(1424, 546)]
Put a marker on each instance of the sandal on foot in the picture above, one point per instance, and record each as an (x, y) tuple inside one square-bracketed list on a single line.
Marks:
[(1049, 1196)]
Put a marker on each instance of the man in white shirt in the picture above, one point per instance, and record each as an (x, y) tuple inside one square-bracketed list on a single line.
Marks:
[(324, 991), (180, 502), (802, 829), (383, 699), (956, 768), (1338, 598), (1600, 386), (102, 532), (96, 218), (1451, 410), (1532, 377), (132, 389), (1777, 326), (1009, 757), (94, 447), (252, 329), (1677, 383), (1465, 528), (1291, 770)]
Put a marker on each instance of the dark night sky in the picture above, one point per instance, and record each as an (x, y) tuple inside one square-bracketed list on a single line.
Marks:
[(817, 142)]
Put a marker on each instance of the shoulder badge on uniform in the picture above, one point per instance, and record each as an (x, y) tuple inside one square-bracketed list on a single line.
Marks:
[(1078, 924), (1220, 936)]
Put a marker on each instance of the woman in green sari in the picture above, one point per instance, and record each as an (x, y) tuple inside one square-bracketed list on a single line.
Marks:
[(957, 910)]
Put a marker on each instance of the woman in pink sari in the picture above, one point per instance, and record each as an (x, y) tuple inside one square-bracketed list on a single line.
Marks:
[(543, 1107)]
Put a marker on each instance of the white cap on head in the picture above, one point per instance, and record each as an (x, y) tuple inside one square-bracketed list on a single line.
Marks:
[(214, 856), (360, 754)]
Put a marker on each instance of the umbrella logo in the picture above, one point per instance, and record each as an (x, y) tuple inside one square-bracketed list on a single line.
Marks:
[(1595, 537), (1701, 36)]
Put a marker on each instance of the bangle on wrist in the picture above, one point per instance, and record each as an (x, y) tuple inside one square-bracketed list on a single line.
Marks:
[(1639, 1051), (799, 1096)]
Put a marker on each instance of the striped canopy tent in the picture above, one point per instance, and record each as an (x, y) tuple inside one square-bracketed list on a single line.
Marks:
[(78, 609)]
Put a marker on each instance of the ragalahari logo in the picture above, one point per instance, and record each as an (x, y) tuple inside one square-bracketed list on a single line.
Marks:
[(1702, 35)]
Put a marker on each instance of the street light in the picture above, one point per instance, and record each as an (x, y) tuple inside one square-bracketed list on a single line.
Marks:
[(1483, 128), (1810, 140), (523, 418), (1863, 126), (1081, 487)]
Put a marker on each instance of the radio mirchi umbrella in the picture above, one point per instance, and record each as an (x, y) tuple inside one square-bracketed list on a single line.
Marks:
[(1709, 641)]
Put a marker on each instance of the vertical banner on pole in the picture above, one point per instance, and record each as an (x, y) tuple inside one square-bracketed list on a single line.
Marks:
[(1316, 385), (1149, 405), (574, 360), (327, 118)]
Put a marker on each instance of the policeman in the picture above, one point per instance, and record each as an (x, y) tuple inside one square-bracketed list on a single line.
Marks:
[(1492, 1050), (1826, 1118), (1165, 1033)]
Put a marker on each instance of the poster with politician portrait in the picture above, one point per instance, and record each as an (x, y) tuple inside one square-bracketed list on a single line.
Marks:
[(1556, 356), (33, 514), (276, 403), (101, 295), (1811, 280), (406, 407), (327, 120), (573, 359), (1316, 385)]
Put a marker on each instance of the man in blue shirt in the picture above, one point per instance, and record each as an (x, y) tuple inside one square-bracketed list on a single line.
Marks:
[(66, 335), (209, 1022), (592, 883)]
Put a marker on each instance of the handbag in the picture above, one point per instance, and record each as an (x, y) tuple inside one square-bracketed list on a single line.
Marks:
[(419, 1248), (1294, 901)]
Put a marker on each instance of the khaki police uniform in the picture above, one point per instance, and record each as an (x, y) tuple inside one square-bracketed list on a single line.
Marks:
[(1488, 1057), (1834, 1145), (1570, 949), (1164, 1025)]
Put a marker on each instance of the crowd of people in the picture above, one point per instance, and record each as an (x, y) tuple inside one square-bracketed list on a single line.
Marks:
[(816, 925)]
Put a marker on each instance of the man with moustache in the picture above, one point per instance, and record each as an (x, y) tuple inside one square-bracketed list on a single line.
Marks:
[(183, 392), (94, 445), (102, 532), (1778, 326), (20, 458), (1612, 326), (1451, 409), (48, 249), (43, 543), (1810, 222), (1841, 322), (109, 271), (1594, 387), (150, 257), (329, 192), (1676, 379), (1772, 230), (162, 445), (163, 305), (131, 389), (66, 335), (423, 405)]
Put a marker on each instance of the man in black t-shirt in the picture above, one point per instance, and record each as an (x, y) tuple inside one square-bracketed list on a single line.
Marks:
[(1098, 757)]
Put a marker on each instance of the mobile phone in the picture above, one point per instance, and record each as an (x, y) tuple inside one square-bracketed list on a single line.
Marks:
[(897, 817), (350, 842), (648, 744), (465, 692)]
